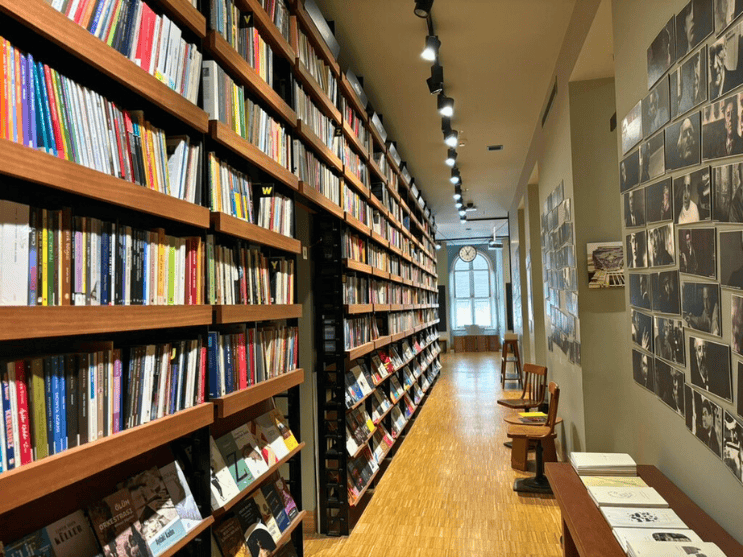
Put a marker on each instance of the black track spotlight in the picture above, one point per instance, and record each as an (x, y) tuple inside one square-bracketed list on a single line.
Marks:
[(458, 204), (436, 81), (455, 177), (431, 50), (451, 138), (451, 158), (423, 8), (445, 105), (458, 193)]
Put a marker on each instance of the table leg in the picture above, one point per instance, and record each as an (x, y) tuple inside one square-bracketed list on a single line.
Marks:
[(568, 545), (550, 454), (519, 454)]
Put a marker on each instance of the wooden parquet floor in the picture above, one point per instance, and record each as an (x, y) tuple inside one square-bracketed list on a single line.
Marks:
[(448, 491)]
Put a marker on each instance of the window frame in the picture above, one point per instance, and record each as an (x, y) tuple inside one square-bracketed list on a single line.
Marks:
[(469, 272)]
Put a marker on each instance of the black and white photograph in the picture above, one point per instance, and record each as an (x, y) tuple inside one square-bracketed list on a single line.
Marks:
[(736, 328), (639, 291), (669, 386), (725, 63), (710, 367), (691, 196), (732, 445), (701, 307), (632, 128), (659, 201), (694, 23), (642, 370), (704, 419), (642, 330), (665, 289), (721, 129), (637, 253), (634, 208), (731, 259), (689, 84), (662, 53), (668, 341), (740, 389), (655, 109), (661, 249), (728, 193), (725, 13), (629, 171), (683, 140), (697, 254), (652, 158)]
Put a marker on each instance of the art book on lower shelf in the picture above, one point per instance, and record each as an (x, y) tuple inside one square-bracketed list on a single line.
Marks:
[(638, 517), (71, 536), (605, 496), (223, 487), (180, 493), (625, 535)]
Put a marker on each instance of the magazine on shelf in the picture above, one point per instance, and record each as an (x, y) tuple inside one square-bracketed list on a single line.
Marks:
[(625, 535), (605, 496), (639, 517)]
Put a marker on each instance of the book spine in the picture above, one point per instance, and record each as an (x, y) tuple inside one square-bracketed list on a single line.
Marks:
[(117, 390), (57, 405), (12, 458), (38, 399), (82, 391), (71, 383)]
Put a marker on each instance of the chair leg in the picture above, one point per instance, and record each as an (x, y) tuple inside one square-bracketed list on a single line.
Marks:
[(537, 484)]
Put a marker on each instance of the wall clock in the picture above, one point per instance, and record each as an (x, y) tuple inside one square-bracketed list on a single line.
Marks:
[(467, 253)]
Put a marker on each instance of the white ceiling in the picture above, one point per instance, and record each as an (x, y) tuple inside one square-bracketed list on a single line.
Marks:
[(498, 58)]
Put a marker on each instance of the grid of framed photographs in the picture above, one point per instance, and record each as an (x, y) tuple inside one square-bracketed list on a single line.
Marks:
[(681, 182)]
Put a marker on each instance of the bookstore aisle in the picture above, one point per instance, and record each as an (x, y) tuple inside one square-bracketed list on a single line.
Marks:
[(448, 491)]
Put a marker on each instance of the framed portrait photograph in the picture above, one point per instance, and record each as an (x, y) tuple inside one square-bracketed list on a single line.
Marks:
[(701, 307), (727, 186), (704, 419), (731, 259), (629, 171), (732, 445), (652, 158), (694, 23), (688, 84), (722, 128), (726, 11), (697, 255), (634, 208), (710, 367), (632, 128), (642, 330), (725, 63), (659, 201), (661, 247), (642, 370), (691, 193), (655, 109), (662, 52), (669, 386), (636, 250), (683, 140), (668, 340), (639, 291), (666, 298), (736, 328)]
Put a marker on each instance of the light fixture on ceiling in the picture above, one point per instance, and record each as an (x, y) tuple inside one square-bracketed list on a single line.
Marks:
[(462, 219), (495, 244), (436, 81), (438, 246), (458, 204), (445, 105), (455, 177), (451, 157), (431, 51), (423, 8), (462, 213), (450, 137), (470, 207), (457, 193)]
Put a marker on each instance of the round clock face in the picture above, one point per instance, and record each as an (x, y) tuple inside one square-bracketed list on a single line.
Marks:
[(467, 253)]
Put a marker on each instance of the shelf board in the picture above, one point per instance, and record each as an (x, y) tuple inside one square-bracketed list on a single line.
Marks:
[(313, 34), (352, 265), (78, 41), (27, 322), (374, 202), (354, 309), (360, 401), (356, 223), (222, 133), (190, 536), (364, 444), (377, 138), (380, 273), (271, 33), (397, 251), (350, 95), (374, 167), (256, 312), (381, 240), (359, 351), (227, 224), (240, 400), (286, 536), (398, 336), (42, 168), (382, 341), (355, 183), (322, 101), (383, 416), (355, 141), (37, 479), (229, 57), (309, 136), (185, 13), (319, 199), (395, 278), (257, 482), (397, 307), (381, 307)]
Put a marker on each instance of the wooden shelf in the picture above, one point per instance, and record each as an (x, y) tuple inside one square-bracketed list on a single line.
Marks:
[(27, 322), (222, 133), (355, 309), (319, 199), (374, 202), (313, 34), (354, 182), (78, 41), (350, 95), (355, 141), (233, 226), (256, 312), (356, 501), (240, 400), (395, 278), (364, 444), (399, 336), (271, 33), (257, 482), (382, 341), (374, 167), (356, 223), (352, 265), (322, 101), (230, 58), (377, 137), (286, 536), (42, 168), (190, 536), (359, 351), (185, 13), (397, 307), (309, 136), (381, 307), (381, 240), (37, 479), (380, 273), (360, 401)]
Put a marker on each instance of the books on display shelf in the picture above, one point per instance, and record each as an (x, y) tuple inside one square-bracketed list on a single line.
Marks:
[(407, 406), (69, 536), (673, 549), (353, 162), (417, 394), (230, 191), (239, 274), (394, 265), (605, 496), (248, 356), (626, 535), (238, 29), (396, 390), (316, 174), (378, 257), (356, 124), (358, 331), (381, 443), (359, 426), (362, 378), (356, 206), (317, 68), (313, 118), (353, 247), (58, 258), (52, 113), (356, 290), (603, 464), (225, 101), (379, 290), (279, 15), (398, 421), (279, 436), (275, 211), (641, 517), (407, 377), (380, 405), (613, 481), (360, 472), (154, 42)]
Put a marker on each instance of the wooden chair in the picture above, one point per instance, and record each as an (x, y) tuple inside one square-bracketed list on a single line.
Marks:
[(544, 435), (510, 346), (535, 388)]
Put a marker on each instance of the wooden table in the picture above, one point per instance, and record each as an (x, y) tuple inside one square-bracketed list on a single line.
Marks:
[(520, 447), (586, 532)]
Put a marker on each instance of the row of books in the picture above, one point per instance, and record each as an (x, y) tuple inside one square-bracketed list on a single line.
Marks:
[(248, 356), (314, 119), (57, 402), (239, 31), (275, 211), (56, 259), (357, 331), (356, 290), (148, 514), (356, 124), (317, 68), (401, 414), (353, 162), (398, 322), (244, 275), (153, 42), (378, 257), (359, 428), (314, 173), (230, 190), (279, 15), (47, 111), (353, 247), (356, 206)]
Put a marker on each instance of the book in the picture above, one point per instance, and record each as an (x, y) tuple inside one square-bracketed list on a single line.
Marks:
[(223, 487), (72, 536), (36, 544), (638, 517), (234, 460), (269, 456), (289, 505), (267, 516), (259, 540), (605, 496), (180, 493), (281, 425), (625, 535), (116, 526), (613, 481), (673, 549), (250, 450), (271, 432), (229, 536), (276, 505), (603, 464)]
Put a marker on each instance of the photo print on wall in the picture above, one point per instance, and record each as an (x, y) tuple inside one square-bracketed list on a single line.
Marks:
[(704, 419), (728, 193), (665, 290), (736, 330), (731, 259), (721, 129), (694, 23), (725, 63), (691, 194), (629, 171), (634, 209), (632, 128), (659, 201), (701, 307), (662, 53), (661, 249), (652, 158), (636, 250), (697, 252), (726, 11), (710, 367), (639, 290), (642, 330), (683, 142), (732, 448), (642, 370), (669, 386), (689, 84), (655, 110), (669, 340)]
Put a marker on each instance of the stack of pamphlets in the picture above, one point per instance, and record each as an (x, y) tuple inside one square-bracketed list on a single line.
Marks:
[(603, 464)]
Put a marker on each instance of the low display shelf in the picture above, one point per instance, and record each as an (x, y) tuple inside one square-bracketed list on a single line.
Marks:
[(192, 535)]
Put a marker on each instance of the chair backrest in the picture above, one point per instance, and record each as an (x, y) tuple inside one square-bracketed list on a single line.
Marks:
[(554, 400), (535, 383)]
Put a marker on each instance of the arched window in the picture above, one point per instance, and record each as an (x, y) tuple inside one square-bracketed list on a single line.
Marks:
[(473, 293)]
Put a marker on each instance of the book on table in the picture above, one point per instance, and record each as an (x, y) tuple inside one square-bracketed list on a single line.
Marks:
[(533, 417), (605, 496), (614, 481), (603, 464), (657, 535), (640, 517), (673, 549)]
